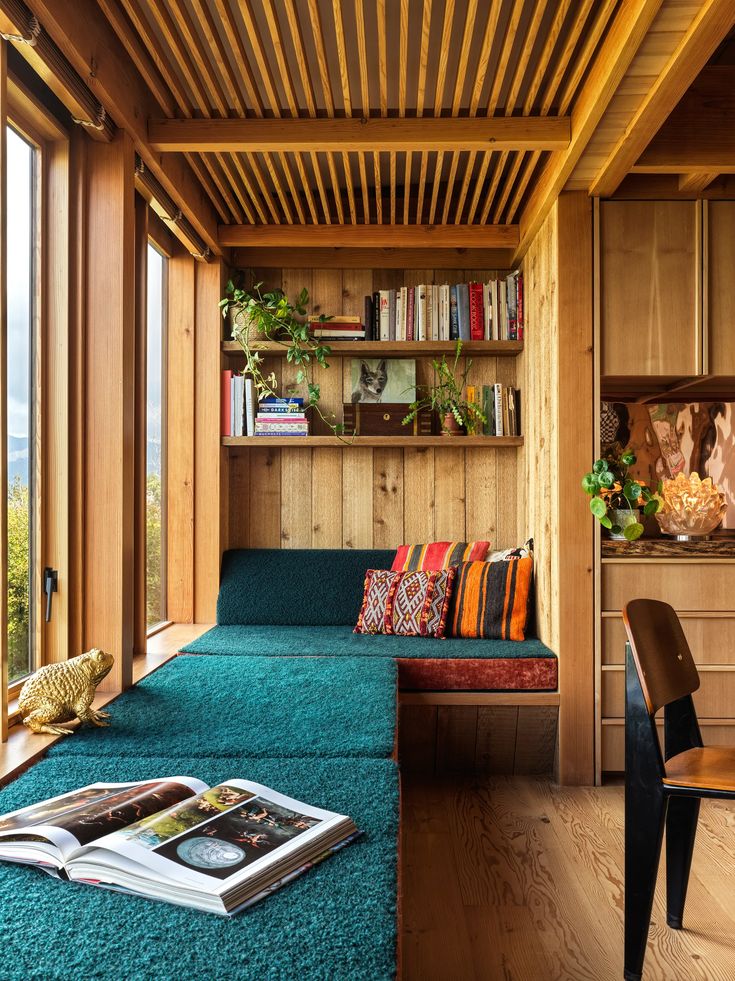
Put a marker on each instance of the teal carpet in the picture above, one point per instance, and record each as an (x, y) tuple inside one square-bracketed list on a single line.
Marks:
[(253, 706), (336, 923), (340, 641)]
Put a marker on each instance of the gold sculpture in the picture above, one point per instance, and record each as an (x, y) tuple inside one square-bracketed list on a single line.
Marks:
[(64, 691), (691, 507)]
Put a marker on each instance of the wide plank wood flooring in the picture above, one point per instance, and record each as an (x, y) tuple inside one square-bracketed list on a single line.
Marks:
[(515, 878)]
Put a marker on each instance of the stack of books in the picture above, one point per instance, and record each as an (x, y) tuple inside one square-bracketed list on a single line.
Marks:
[(281, 417), (341, 328), (237, 405), (491, 311), (501, 406)]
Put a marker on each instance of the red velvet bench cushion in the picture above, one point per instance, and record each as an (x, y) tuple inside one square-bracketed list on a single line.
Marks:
[(478, 674)]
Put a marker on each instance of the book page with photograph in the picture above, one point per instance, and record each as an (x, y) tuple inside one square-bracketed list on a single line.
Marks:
[(53, 830), (228, 843)]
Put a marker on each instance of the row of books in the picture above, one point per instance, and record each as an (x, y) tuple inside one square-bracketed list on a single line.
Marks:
[(491, 311), (501, 406), (242, 415)]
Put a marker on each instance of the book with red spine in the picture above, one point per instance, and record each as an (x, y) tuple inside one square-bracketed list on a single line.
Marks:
[(477, 325), (226, 403), (520, 307)]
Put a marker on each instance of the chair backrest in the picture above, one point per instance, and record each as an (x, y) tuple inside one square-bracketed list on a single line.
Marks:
[(665, 665)]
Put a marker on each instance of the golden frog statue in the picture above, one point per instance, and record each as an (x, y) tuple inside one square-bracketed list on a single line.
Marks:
[(64, 691)]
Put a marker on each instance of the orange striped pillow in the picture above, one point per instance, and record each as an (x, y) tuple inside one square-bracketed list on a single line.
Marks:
[(491, 599), (437, 555)]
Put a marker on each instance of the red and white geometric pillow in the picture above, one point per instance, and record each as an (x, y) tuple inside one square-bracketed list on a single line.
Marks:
[(409, 604)]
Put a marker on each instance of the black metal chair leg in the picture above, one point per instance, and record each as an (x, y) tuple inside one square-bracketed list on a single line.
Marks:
[(681, 828), (645, 817)]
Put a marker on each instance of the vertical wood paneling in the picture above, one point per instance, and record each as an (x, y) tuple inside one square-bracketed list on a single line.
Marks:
[(180, 331), (449, 494), (357, 505), (387, 498), (484, 498), (207, 452), (497, 727), (296, 498), (264, 500), (326, 498), (456, 738), (418, 495), (238, 501), (109, 407), (327, 289)]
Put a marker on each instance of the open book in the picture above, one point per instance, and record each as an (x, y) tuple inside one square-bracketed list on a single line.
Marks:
[(217, 849)]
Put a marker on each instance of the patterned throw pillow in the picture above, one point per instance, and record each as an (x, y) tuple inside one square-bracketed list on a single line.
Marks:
[(412, 604), (437, 555), (524, 551), (491, 599)]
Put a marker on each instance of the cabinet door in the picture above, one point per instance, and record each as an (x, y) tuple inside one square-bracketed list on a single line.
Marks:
[(650, 288), (720, 274)]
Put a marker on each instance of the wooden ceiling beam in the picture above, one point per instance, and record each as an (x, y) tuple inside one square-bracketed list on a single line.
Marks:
[(370, 236), (337, 135), (88, 41), (633, 19), (359, 258), (695, 182), (712, 23)]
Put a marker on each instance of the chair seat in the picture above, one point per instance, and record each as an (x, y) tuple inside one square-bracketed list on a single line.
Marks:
[(706, 768)]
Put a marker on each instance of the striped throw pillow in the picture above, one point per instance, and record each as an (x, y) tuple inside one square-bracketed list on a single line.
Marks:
[(409, 604), (437, 555), (491, 599)]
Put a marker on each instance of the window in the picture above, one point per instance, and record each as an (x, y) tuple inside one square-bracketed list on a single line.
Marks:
[(155, 440), (21, 395)]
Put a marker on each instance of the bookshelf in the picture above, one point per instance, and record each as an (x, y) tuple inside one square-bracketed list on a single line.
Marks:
[(489, 349), (395, 442)]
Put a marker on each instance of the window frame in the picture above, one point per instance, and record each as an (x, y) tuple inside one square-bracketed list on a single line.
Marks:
[(33, 122), (154, 242)]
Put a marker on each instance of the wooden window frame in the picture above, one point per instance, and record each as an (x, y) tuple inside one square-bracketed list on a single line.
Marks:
[(51, 415)]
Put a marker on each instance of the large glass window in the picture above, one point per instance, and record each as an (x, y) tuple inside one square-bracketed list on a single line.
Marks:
[(155, 441), (21, 277)]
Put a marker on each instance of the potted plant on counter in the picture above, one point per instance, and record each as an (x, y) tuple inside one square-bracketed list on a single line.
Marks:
[(445, 398), (616, 497)]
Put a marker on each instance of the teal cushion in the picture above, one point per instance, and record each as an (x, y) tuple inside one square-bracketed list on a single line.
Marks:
[(295, 586), (341, 641), (252, 705), (337, 921)]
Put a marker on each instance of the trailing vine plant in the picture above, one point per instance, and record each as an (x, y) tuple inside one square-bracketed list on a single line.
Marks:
[(258, 316)]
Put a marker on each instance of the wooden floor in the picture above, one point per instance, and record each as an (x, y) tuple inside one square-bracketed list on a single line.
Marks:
[(515, 878)]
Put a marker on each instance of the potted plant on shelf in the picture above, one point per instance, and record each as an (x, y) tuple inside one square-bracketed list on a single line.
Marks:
[(616, 498), (446, 398), (256, 317)]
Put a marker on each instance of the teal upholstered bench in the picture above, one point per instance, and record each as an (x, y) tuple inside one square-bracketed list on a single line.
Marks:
[(296, 602)]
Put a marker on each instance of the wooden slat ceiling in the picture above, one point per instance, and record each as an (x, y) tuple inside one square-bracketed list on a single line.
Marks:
[(363, 58)]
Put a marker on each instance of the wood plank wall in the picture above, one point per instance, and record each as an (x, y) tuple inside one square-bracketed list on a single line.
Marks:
[(362, 498)]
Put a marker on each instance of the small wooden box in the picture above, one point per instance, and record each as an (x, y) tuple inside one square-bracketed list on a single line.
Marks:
[(384, 419)]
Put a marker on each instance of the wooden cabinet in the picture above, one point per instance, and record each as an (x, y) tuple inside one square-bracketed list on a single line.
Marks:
[(720, 287), (650, 287)]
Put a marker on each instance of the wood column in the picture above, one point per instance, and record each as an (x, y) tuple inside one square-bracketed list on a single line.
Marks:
[(3, 404), (141, 395), (109, 492), (574, 527)]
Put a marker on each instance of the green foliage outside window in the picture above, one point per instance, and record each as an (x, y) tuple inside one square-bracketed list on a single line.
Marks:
[(153, 541), (18, 580)]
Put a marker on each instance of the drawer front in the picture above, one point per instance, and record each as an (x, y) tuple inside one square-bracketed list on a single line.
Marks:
[(613, 743), (715, 698), (685, 585), (711, 639)]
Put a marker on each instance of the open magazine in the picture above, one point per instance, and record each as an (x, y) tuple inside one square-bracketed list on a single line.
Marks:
[(217, 849)]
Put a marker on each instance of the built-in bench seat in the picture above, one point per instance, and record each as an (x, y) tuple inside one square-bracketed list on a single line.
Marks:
[(450, 663), (305, 602)]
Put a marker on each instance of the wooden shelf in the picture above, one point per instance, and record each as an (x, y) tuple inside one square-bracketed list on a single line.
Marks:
[(450, 442), (493, 349), (719, 547), (667, 388)]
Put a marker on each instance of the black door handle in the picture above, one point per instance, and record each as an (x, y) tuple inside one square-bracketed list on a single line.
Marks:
[(50, 586)]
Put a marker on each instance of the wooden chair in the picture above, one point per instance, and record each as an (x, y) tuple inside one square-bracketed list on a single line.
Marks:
[(662, 790)]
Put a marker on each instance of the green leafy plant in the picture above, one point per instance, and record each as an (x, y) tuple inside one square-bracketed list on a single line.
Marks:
[(611, 487), (446, 396), (258, 316)]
